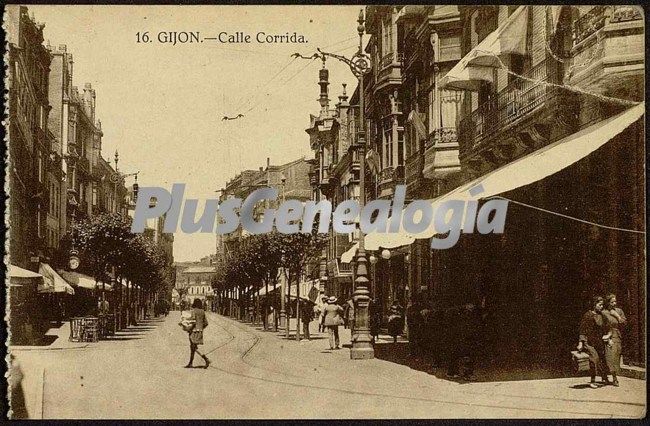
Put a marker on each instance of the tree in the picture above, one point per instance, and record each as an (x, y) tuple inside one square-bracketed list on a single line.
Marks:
[(106, 245)]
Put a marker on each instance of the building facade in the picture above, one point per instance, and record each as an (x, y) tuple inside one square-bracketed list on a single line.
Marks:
[(334, 176), (442, 113), (31, 170)]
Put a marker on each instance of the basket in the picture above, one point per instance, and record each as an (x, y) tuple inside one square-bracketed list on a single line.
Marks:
[(580, 361)]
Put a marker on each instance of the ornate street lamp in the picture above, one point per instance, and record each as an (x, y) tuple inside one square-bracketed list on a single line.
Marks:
[(361, 341), (362, 347)]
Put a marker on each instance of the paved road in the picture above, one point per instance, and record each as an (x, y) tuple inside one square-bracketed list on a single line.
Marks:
[(256, 374)]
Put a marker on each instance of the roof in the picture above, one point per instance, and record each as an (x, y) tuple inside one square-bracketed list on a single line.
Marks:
[(199, 270)]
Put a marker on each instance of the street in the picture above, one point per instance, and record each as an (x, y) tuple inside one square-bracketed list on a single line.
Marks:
[(256, 374)]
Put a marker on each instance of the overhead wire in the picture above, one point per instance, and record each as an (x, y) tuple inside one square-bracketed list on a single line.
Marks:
[(566, 216), (604, 98), (284, 83), (340, 41), (260, 88)]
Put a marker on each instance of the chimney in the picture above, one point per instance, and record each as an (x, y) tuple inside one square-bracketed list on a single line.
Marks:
[(323, 82), (343, 99), (89, 100)]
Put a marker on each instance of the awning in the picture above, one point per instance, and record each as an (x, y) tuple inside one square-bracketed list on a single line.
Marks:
[(17, 272), (478, 65), (19, 277), (78, 279), (52, 282), (292, 292), (531, 168)]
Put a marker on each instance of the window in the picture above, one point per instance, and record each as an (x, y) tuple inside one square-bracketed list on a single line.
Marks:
[(432, 117), (387, 32), (387, 144), (39, 221), (450, 104), (400, 147), (94, 194), (52, 199), (39, 160)]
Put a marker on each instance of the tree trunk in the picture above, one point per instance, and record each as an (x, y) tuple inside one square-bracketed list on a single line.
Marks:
[(288, 296), (298, 307)]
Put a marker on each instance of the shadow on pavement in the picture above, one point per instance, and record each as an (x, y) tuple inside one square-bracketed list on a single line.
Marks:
[(486, 370), (45, 340)]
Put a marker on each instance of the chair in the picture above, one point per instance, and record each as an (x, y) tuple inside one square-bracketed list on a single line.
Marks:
[(76, 329), (103, 331), (110, 324), (91, 329)]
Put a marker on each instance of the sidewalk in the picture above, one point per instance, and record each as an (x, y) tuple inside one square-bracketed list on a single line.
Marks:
[(58, 336), (554, 396)]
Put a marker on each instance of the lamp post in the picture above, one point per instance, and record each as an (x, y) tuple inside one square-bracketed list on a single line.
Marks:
[(284, 321), (361, 341)]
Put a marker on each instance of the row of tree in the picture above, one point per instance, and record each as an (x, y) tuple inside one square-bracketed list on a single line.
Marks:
[(258, 261), (111, 253)]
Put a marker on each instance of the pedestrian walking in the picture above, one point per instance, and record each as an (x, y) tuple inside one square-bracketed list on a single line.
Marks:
[(332, 319), (415, 317), (592, 327), (321, 308), (195, 325), (316, 311), (375, 318), (469, 339), (306, 316), (451, 351), (614, 320), (348, 315), (395, 320)]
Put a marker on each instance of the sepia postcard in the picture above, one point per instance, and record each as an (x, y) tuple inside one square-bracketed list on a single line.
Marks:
[(325, 211)]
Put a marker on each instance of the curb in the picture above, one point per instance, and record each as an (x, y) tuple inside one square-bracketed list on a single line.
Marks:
[(633, 372)]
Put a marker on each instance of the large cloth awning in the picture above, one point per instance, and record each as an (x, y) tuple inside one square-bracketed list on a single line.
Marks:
[(17, 272), (478, 65), (531, 168), (78, 279), (52, 282)]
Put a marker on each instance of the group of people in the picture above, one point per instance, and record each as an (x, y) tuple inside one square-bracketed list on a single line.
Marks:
[(455, 345), (600, 337), (331, 315), (161, 307)]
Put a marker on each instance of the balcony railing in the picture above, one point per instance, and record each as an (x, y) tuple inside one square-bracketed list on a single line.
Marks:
[(588, 24), (387, 59), (413, 168), (600, 16), (517, 100), (442, 135), (391, 174)]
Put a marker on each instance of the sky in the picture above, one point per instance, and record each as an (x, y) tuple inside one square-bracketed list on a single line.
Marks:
[(161, 106)]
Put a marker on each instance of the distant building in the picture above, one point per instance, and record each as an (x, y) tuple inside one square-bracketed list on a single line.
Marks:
[(290, 179)]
